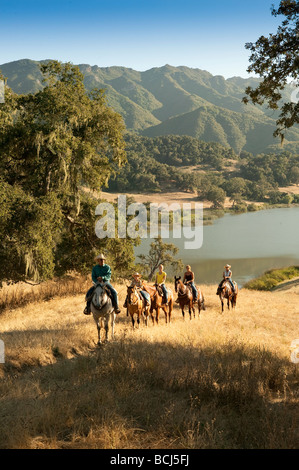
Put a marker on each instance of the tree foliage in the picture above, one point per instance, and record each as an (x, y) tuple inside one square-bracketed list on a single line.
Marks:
[(276, 60), (160, 253), (55, 145)]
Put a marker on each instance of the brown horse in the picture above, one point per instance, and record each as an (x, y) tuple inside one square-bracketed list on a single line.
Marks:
[(157, 302), (136, 305), (185, 297), (226, 292)]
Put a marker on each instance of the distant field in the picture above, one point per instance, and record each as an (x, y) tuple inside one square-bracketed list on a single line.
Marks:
[(169, 198), (221, 381), (293, 189)]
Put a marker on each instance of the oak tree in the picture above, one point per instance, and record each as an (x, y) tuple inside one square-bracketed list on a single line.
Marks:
[(276, 60)]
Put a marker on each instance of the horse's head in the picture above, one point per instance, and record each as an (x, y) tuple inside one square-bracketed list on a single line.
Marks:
[(132, 294), (176, 281), (100, 296), (225, 289), (219, 290)]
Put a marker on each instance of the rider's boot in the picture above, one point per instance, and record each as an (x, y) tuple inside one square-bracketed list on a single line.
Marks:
[(116, 307)]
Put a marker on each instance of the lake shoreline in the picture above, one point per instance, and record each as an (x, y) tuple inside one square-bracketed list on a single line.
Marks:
[(209, 213)]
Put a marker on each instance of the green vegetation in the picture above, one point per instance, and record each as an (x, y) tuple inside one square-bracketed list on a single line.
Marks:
[(54, 145), (272, 278), (154, 165), (275, 60), (183, 163), (62, 142), (160, 253), (176, 101)]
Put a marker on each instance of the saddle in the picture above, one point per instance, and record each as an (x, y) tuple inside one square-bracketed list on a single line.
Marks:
[(188, 286), (159, 289), (160, 292), (190, 289)]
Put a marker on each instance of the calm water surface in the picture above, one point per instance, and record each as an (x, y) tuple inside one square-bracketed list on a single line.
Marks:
[(252, 243)]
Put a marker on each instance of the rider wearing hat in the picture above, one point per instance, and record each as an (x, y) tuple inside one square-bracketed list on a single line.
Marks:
[(227, 276), (101, 272), (136, 281)]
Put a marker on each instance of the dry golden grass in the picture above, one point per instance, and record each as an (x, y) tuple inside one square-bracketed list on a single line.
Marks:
[(292, 189), (221, 381), (180, 197), (21, 293)]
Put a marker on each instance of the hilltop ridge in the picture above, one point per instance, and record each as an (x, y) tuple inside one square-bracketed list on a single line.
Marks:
[(173, 100)]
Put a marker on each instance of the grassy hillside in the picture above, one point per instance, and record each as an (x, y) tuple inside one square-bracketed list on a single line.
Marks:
[(221, 381), (241, 131), (174, 100)]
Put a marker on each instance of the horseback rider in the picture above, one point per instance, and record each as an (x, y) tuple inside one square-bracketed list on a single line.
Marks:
[(160, 281), (189, 280), (136, 281), (227, 276), (101, 272)]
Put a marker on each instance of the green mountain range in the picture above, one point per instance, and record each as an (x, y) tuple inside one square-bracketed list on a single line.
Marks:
[(175, 101)]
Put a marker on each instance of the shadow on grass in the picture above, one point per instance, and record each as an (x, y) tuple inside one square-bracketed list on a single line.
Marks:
[(137, 394)]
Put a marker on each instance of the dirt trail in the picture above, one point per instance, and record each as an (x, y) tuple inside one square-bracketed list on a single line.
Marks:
[(292, 285)]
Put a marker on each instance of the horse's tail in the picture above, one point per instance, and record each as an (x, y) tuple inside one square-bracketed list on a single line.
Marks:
[(203, 307)]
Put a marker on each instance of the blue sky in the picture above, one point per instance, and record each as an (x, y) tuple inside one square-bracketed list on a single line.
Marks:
[(142, 34)]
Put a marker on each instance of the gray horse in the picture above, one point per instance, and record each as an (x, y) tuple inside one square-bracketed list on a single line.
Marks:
[(102, 311)]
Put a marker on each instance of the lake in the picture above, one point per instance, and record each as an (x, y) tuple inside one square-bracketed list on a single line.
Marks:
[(251, 243)]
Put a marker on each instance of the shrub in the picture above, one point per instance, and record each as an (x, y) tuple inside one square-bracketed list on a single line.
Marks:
[(272, 278)]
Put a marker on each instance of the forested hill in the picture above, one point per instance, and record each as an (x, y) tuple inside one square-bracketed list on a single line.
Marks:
[(175, 101)]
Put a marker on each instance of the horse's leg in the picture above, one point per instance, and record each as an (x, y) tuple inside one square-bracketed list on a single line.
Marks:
[(112, 325), (190, 309), (152, 314), (146, 314), (199, 306), (99, 331), (157, 315), (165, 313), (222, 304), (170, 308), (183, 312), (106, 330)]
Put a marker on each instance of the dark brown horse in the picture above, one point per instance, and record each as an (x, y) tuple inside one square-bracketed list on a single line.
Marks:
[(157, 302), (185, 297), (226, 292), (136, 305)]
